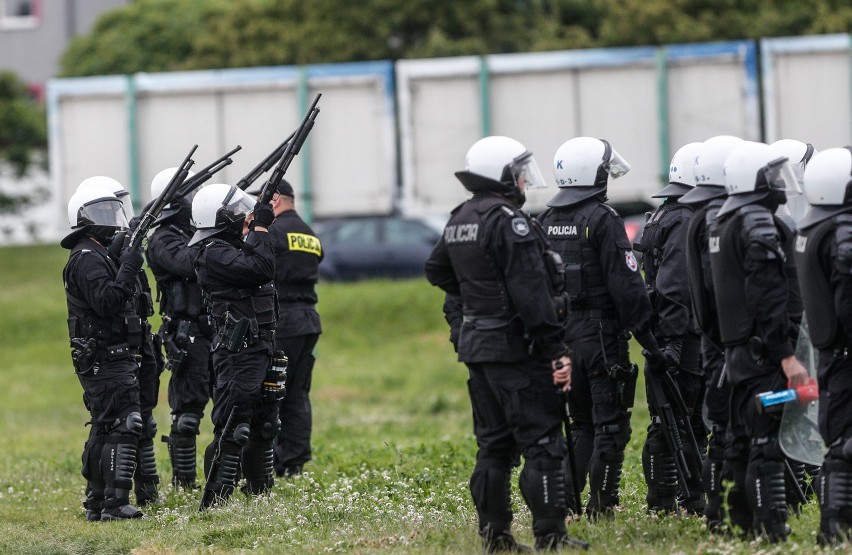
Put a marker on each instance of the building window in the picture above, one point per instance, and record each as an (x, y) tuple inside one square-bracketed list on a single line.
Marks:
[(20, 14)]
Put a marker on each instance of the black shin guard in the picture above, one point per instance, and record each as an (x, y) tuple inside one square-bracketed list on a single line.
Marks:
[(257, 466), (768, 498), (604, 484), (835, 493), (221, 474), (118, 464), (182, 452), (146, 477), (739, 510), (491, 490), (543, 489), (660, 476)]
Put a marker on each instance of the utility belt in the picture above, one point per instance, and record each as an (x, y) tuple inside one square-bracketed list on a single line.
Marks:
[(235, 334), (130, 331), (87, 354), (485, 324), (194, 325)]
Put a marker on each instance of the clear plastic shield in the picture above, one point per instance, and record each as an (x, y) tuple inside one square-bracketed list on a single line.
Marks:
[(799, 434)]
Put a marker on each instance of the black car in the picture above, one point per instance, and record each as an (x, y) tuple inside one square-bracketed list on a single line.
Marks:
[(363, 247)]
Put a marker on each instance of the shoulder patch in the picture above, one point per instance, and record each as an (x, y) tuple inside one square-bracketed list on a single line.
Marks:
[(520, 226), (304, 242), (630, 259)]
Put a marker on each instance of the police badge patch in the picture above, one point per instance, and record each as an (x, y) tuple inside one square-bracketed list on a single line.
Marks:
[(630, 258), (520, 227)]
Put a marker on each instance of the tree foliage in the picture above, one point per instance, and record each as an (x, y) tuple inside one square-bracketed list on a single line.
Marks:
[(23, 135), (167, 35)]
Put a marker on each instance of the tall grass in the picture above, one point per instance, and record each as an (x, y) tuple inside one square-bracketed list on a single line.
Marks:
[(393, 446)]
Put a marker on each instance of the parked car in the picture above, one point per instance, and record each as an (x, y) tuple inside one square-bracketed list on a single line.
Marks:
[(362, 247)]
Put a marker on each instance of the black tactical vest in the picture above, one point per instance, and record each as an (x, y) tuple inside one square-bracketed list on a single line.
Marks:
[(180, 298), (703, 298), (568, 232), (727, 253), (816, 290), (85, 323), (482, 284), (228, 304), (653, 242)]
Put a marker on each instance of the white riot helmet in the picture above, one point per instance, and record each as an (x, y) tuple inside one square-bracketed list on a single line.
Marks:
[(501, 165), (582, 167), (158, 185), (113, 185), (681, 172), (219, 208), (828, 185), (755, 171), (93, 207), (709, 169), (798, 154)]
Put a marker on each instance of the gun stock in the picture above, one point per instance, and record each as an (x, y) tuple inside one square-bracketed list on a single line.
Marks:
[(204, 174), (265, 165)]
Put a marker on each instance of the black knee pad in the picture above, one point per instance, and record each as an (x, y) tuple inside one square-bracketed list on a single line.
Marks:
[(130, 424), (186, 423)]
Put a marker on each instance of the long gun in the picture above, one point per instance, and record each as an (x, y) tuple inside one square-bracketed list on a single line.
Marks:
[(290, 151), (151, 214), (265, 165), (204, 174), (657, 398)]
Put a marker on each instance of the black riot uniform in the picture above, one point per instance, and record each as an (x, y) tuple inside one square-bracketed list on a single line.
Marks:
[(717, 395), (608, 300), (749, 248), (298, 253), (106, 337), (236, 279), (495, 260), (824, 258), (664, 258), (185, 334)]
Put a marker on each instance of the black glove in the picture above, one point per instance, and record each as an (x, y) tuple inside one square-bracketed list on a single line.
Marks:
[(263, 215), (658, 363), (672, 351), (132, 258)]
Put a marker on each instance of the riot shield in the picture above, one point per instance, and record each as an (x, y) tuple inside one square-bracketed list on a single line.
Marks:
[(799, 435)]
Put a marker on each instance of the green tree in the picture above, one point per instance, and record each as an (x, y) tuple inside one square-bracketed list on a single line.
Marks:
[(166, 35), (23, 135)]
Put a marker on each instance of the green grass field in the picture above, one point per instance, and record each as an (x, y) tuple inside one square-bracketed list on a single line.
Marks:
[(393, 444)]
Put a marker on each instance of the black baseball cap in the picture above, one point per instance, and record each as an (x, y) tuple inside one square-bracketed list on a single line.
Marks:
[(284, 188)]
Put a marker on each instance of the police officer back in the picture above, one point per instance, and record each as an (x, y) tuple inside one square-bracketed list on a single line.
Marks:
[(748, 249), (663, 247), (708, 196), (824, 257), (186, 330), (607, 298), (511, 339)]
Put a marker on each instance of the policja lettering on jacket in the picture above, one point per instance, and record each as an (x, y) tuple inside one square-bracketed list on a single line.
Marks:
[(304, 242), (462, 233)]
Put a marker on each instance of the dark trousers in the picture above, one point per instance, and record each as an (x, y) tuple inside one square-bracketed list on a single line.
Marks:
[(293, 443)]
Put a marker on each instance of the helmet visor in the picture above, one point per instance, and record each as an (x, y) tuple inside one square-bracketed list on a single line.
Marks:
[(239, 204), (780, 176), (617, 166), (104, 211), (526, 173)]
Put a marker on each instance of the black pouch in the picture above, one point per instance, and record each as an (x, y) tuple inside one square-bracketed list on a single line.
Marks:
[(84, 355), (182, 333), (625, 378), (120, 351), (234, 334), (144, 304), (177, 297)]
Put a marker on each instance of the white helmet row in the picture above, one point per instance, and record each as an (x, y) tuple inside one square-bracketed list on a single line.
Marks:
[(754, 171), (681, 171), (158, 184), (113, 185)]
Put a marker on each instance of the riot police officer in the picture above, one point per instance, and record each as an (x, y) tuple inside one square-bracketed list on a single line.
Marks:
[(824, 259), (607, 300), (186, 329), (236, 278), (106, 337), (663, 247), (511, 339), (708, 196), (146, 479), (749, 247), (298, 253)]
